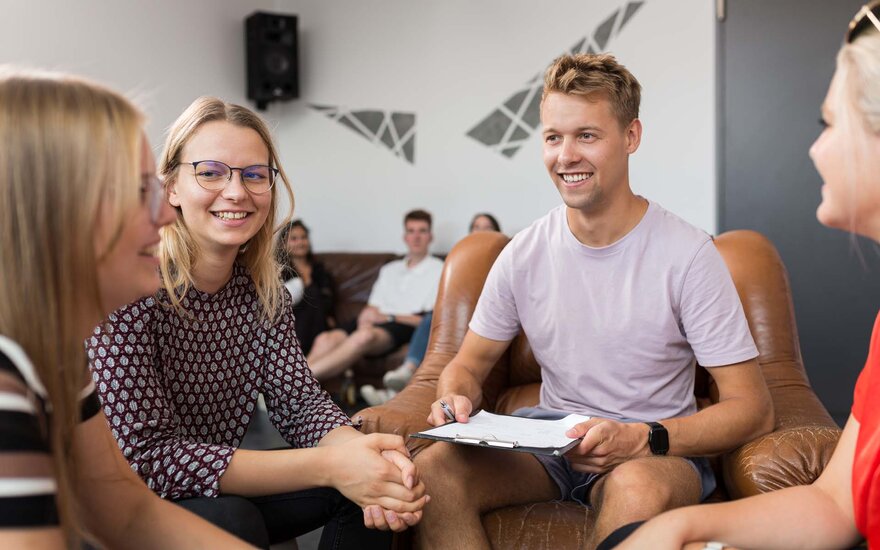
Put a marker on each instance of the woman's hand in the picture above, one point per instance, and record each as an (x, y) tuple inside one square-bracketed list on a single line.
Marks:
[(374, 472), (374, 515)]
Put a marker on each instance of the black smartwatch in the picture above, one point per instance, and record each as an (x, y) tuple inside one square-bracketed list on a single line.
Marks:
[(658, 438)]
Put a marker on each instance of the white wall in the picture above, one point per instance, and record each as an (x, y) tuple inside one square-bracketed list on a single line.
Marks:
[(164, 53), (451, 62)]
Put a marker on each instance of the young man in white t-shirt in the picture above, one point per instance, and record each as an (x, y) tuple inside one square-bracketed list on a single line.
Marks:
[(404, 291), (618, 299)]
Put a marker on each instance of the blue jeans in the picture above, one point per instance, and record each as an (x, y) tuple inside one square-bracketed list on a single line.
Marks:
[(418, 344)]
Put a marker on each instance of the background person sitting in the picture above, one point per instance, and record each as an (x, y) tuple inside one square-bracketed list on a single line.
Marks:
[(397, 379), (484, 221), (309, 283), (404, 291)]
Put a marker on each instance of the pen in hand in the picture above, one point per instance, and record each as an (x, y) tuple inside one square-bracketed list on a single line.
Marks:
[(447, 410)]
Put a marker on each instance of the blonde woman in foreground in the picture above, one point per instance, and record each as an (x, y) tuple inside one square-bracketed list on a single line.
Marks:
[(843, 505), (80, 210)]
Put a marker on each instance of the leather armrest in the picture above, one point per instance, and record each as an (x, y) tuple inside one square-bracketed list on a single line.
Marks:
[(793, 456), (795, 453), (405, 414)]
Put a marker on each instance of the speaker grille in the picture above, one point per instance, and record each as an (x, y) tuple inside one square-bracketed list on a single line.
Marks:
[(272, 65)]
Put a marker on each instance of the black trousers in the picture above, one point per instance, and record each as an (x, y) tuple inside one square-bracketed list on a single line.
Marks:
[(272, 519)]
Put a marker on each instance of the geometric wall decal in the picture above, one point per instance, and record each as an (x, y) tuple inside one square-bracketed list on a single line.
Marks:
[(510, 124), (392, 129)]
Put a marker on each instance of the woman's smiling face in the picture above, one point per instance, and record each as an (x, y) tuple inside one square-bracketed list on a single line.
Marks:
[(229, 217)]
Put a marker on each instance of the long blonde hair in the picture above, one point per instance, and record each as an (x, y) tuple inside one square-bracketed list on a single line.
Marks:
[(70, 155), (179, 249)]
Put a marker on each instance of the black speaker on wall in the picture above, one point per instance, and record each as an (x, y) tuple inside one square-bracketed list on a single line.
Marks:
[(272, 67)]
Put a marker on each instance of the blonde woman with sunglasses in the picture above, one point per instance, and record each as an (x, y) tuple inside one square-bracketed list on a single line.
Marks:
[(843, 505), (80, 211), (179, 372)]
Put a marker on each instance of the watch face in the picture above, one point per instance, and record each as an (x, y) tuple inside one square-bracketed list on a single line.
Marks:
[(658, 439)]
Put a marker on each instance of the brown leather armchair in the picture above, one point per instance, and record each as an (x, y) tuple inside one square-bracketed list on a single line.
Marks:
[(794, 453)]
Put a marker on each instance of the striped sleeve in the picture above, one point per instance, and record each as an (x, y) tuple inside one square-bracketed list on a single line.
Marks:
[(27, 484), (89, 403)]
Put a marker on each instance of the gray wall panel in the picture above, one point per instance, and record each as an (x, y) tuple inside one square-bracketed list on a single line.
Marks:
[(776, 60)]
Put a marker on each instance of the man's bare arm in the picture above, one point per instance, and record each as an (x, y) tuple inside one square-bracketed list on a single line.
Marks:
[(744, 411), (460, 384)]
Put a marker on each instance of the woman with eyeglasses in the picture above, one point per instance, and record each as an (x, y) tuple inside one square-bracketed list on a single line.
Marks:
[(843, 505), (179, 372), (80, 212)]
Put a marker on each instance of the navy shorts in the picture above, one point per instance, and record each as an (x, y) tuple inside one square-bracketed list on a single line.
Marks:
[(400, 333), (576, 485)]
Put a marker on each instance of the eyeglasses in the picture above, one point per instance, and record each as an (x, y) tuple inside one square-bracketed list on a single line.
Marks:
[(213, 175), (863, 19), (153, 195)]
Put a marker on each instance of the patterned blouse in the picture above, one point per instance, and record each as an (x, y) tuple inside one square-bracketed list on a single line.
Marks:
[(27, 481), (179, 391)]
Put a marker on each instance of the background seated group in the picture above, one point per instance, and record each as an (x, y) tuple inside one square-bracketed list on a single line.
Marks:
[(398, 310), (404, 291)]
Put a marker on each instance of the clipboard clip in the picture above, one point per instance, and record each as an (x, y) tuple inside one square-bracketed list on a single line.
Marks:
[(486, 441)]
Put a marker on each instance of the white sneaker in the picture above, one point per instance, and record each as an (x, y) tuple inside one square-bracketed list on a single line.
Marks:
[(374, 396), (398, 378)]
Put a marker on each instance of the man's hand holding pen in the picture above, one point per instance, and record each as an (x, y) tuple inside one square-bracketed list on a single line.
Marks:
[(450, 408)]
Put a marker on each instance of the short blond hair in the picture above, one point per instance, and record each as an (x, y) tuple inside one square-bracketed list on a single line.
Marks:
[(588, 74), (179, 250)]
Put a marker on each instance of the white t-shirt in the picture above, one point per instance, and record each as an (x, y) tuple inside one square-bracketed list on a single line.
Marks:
[(401, 290), (616, 329)]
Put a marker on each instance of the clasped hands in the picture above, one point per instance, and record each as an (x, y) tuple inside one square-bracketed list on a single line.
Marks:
[(375, 472), (606, 443)]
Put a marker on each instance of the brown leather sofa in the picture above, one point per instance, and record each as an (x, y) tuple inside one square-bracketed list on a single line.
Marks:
[(794, 453)]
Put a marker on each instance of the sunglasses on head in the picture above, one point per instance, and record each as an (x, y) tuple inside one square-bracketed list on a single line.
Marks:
[(866, 16)]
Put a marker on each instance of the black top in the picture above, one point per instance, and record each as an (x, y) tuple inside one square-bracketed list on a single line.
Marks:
[(315, 310)]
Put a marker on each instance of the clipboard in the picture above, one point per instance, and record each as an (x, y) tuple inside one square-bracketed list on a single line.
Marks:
[(520, 434)]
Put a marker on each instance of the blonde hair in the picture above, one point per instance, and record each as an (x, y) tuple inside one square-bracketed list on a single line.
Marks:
[(587, 74), (856, 105), (859, 62), (179, 249), (71, 155)]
